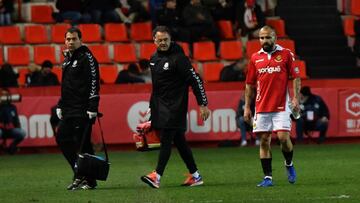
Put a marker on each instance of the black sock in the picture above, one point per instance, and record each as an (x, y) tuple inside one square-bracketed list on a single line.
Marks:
[(266, 166), (288, 157)]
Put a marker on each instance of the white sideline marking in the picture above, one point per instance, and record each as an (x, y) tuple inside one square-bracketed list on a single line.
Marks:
[(207, 201), (309, 198)]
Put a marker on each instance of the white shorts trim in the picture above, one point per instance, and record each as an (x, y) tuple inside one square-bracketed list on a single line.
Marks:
[(272, 122)]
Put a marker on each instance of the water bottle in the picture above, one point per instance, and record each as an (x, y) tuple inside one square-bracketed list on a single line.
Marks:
[(296, 114)]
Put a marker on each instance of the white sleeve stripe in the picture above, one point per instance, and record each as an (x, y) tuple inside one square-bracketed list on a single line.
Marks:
[(93, 76)]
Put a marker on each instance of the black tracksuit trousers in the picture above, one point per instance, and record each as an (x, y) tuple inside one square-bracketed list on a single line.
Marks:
[(167, 136), (69, 137)]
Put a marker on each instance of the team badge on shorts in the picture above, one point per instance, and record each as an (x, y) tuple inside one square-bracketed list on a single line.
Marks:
[(278, 58)]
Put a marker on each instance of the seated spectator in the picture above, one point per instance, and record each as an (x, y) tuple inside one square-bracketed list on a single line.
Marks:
[(9, 123), (130, 75), (241, 124), (6, 10), (8, 77), (221, 9), (103, 11), (234, 71), (33, 74), (267, 6), (249, 18), (72, 11), (155, 6), (314, 115), (45, 77), (171, 18), (198, 20), (131, 11), (145, 70)]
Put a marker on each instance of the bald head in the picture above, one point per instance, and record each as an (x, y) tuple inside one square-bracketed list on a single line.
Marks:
[(267, 37)]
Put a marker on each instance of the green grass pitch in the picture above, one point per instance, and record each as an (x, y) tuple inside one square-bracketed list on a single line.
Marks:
[(326, 173)]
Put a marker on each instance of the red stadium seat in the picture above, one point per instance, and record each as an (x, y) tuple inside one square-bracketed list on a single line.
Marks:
[(42, 53), (355, 7), (204, 51), (348, 24), (90, 33), (36, 34), (1, 56), (141, 31), (125, 53), (147, 50), (101, 53), (18, 55), (10, 35), (115, 32), (302, 68), (62, 48), (225, 28), (185, 47), (287, 43), (108, 73), (41, 14), (195, 66), (231, 50), (58, 32), (211, 71), (278, 25)]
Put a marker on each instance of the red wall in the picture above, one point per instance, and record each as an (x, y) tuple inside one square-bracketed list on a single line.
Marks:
[(123, 107)]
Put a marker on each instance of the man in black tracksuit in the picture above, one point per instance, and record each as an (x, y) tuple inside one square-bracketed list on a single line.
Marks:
[(78, 105), (172, 74)]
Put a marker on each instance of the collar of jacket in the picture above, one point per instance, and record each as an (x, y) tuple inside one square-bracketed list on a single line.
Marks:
[(174, 48), (81, 50)]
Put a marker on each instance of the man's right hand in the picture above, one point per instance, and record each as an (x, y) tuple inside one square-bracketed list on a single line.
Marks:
[(247, 115), (59, 113)]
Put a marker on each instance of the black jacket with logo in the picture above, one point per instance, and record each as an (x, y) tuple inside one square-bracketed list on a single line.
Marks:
[(315, 104), (80, 84), (172, 74)]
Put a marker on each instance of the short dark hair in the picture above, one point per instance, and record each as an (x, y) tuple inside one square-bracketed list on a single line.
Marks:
[(47, 64), (161, 28), (72, 30), (144, 64), (133, 68), (305, 91)]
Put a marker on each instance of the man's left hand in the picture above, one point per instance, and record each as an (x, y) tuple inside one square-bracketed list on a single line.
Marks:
[(204, 113), (91, 114), (295, 104)]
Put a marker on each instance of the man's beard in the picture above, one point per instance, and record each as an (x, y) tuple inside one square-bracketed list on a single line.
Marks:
[(268, 47)]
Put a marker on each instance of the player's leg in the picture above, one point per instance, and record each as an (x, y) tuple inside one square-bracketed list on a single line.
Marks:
[(282, 125), (265, 158), (166, 138), (194, 178), (263, 128)]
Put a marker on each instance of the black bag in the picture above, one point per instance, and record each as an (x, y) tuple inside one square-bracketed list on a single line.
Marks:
[(92, 166)]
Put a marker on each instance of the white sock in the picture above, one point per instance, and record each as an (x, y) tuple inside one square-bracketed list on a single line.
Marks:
[(158, 176), (196, 174), (289, 164), (268, 177)]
